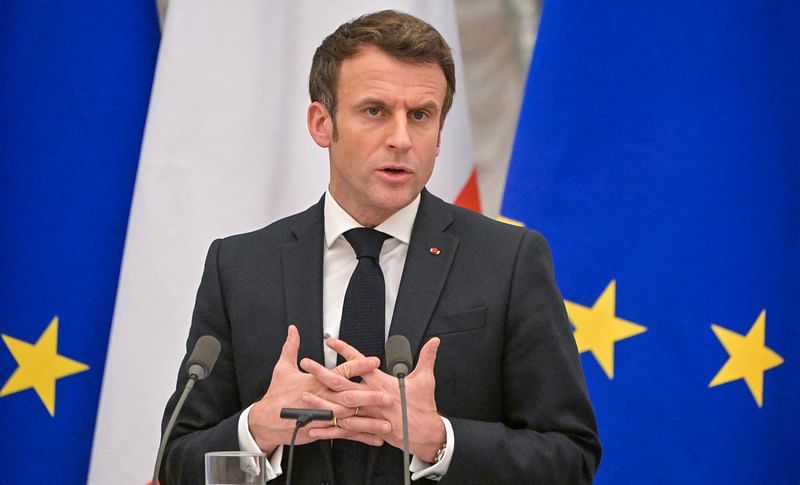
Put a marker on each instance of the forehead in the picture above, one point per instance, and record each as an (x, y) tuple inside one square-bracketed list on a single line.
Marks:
[(372, 72)]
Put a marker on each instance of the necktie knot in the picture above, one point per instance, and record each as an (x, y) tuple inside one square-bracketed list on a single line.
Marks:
[(366, 242)]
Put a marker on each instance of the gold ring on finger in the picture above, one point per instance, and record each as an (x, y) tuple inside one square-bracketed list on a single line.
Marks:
[(357, 409)]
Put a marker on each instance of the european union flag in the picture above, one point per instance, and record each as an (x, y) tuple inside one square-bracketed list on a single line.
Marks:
[(76, 80), (658, 151)]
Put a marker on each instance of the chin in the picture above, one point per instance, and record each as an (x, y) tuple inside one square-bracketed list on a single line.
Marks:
[(396, 201)]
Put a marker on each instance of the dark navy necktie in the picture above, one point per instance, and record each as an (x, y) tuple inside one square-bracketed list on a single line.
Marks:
[(364, 311), (363, 326)]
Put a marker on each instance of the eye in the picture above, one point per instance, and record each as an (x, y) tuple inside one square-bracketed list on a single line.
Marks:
[(373, 111), (419, 115)]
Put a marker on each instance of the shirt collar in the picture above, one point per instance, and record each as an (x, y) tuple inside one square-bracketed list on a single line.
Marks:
[(338, 221)]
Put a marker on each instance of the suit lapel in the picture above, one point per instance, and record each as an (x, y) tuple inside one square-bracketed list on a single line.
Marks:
[(301, 261), (430, 254)]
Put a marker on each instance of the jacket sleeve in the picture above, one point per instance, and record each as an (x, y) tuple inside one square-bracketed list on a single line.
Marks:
[(209, 419)]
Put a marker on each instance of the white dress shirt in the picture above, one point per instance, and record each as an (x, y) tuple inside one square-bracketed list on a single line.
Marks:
[(339, 262)]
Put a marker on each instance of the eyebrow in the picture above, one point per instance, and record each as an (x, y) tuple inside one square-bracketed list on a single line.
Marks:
[(370, 102), (431, 106)]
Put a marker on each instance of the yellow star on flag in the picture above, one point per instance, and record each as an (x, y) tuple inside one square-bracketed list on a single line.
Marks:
[(748, 359), (510, 221), (40, 366), (597, 329)]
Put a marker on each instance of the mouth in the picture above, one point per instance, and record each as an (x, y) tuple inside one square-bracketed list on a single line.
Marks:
[(395, 173), (394, 169)]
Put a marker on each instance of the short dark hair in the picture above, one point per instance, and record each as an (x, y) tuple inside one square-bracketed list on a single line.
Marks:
[(398, 34)]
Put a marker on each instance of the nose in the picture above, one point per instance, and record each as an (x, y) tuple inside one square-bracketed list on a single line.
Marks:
[(398, 137)]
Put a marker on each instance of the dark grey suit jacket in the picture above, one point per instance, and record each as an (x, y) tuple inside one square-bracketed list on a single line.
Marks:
[(507, 373)]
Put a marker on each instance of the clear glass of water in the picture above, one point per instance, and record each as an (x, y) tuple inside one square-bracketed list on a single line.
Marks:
[(235, 468)]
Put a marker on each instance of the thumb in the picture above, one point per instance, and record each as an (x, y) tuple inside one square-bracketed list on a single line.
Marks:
[(427, 356), (291, 347)]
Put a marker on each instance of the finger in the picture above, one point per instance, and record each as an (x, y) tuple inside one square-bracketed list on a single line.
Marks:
[(333, 433), (358, 367), (343, 348), (291, 347), (366, 438), (427, 356), (362, 399), (346, 402), (349, 427), (337, 379), (363, 424), (313, 401), (332, 380)]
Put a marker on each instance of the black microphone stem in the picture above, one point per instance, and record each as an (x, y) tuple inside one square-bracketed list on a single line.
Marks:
[(299, 424), (399, 362), (302, 417), (186, 390), (404, 407)]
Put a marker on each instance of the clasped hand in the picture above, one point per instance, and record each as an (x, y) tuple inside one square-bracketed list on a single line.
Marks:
[(368, 411)]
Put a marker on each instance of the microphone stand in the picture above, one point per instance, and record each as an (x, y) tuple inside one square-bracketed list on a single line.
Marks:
[(302, 417), (200, 364), (186, 390), (406, 459), (399, 363)]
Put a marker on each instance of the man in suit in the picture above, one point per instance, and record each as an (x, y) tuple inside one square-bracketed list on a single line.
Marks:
[(497, 395)]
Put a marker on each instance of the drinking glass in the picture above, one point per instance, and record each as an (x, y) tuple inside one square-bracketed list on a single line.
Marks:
[(235, 468)]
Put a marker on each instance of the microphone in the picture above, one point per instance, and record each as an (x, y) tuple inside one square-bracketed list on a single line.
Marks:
[(399, 363), (307, 415), (198, 366), (302, 417), (203, 358), (398, 356)]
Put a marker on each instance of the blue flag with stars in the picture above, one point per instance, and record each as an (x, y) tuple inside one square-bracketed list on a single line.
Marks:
[(658, 151), (76, 80)]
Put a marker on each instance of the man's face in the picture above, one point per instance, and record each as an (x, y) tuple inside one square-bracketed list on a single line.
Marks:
[(388, 114)]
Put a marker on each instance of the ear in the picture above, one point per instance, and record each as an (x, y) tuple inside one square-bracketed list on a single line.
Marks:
[(320, 124)]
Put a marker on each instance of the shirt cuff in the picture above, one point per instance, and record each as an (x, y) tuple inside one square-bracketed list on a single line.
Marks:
[(247, 443), (420, 469)]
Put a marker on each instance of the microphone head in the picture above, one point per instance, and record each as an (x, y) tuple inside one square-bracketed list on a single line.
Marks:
[(204, 356), (398, 356), (307, 414)]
